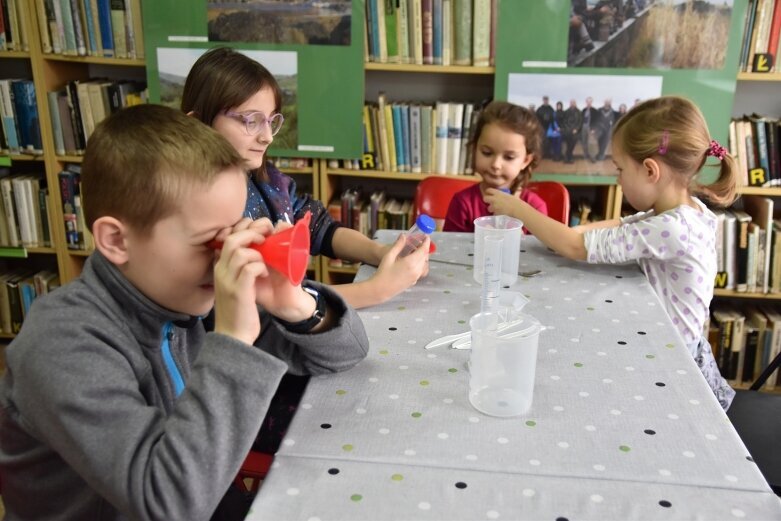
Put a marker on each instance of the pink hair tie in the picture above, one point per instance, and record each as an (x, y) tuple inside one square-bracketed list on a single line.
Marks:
[(716, 150), (663, 144)]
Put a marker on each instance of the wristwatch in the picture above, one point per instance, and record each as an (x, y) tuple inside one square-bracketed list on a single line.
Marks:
[(306, 325)]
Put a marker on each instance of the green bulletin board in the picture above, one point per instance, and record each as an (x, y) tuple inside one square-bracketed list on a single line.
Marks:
[(323, 116), (533, 38)]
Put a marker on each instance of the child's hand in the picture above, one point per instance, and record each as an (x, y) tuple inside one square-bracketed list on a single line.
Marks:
[(235, 275), (395, 274), (500, 203)]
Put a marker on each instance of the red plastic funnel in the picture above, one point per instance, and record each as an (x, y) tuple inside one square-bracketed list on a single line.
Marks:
[(287, 251)]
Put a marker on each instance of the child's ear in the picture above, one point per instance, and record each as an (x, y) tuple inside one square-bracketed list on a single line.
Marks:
[(653, 169), (110, 239)]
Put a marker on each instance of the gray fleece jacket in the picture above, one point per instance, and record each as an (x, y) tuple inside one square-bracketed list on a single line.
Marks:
[(90, 423)]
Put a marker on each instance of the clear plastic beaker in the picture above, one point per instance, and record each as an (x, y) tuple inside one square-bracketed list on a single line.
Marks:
[(502, 364), (510, 230)]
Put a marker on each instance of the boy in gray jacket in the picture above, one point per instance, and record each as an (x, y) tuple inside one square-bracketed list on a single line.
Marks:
[(116, 403)]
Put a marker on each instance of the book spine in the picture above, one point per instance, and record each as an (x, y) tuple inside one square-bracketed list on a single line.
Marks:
[(462, 16), (15, 305), (106, 32), (3, 23), (402, 22), (71, 47), (46, 43), (43, 205), (27, 115), (481, 33), (68, 193), (54, 114), (390, 132), (391, 31), (118, 28), (398, 138), (138, 29), (441, 137), (89, 28), (414, 138), (437, 32), (427, 31), (10, 211), (9, 121)]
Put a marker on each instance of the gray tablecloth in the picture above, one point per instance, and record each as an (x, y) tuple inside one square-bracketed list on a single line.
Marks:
[(622, 426)]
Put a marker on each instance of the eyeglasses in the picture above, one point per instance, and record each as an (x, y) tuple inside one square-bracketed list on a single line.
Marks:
[(254, 121)]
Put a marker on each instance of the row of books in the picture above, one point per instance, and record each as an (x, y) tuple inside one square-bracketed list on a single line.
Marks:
[(745, 341), (77, 236), (755, 143), (18, 289), (761, 33), (431, 32), (13, 25), (20, 131), (24, 211), (417, 138), (78, 107), (368, 214), (748, 247), (107, 28)]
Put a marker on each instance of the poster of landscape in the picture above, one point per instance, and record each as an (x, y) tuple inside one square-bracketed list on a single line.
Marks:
[(302, 22)]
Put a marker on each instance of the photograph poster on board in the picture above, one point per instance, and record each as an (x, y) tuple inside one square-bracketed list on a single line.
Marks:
[(577, 113), (649, 34), (302, 22), (174, 65)]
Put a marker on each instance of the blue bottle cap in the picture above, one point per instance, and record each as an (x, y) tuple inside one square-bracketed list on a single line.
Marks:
[(505, 190), (425, 223)]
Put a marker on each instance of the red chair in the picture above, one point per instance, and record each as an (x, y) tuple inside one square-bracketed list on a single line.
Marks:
[(254, 470), (556, 197), (433, 195)]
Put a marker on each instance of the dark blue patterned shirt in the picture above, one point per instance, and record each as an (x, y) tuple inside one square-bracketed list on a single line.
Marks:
[(277, 200)]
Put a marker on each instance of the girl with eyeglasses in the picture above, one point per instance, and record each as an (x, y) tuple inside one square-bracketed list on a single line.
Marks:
[(240, 98)]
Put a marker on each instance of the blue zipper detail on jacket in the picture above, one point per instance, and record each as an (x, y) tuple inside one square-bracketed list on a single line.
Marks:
[(170, 364)]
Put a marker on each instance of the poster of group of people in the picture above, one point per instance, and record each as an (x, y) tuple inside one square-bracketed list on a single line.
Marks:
[(605, 57)]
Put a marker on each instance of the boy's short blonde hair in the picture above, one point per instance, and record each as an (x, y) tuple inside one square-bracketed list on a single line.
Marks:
[(139, 161)]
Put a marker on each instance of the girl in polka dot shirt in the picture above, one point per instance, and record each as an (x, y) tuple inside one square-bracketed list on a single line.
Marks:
[(658, 148)]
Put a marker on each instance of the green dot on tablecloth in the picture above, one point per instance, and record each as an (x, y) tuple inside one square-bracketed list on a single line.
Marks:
[(356, 497), (578, 364), (670, 346), (462, 321), (341, 392), (452, 370), (416, 414), (650, 357), (424, 383), (624, 448), (446, 292), (383, 352), (402, 308), (531, 423), (347, 447), (589, 308), (397, 477)]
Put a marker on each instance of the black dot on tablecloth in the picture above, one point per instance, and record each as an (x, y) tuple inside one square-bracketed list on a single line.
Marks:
[(650, 432), (392, 329), (619, 276), (562, 519), (325, 426), (641, 332), (665, 503), (506, 287), (750, 459), (660, 384), (621, 342), (608, 301), (460, 484), (333, 471), (470, 254)]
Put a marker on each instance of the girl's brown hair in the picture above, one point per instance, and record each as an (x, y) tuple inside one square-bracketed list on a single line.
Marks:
[(222, 79), (673, 130), (516, 119)]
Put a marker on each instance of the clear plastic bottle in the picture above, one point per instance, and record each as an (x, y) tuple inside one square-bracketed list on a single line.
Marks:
[(423, 227)]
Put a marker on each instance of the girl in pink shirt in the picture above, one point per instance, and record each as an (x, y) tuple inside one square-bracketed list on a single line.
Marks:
[(507, 145)]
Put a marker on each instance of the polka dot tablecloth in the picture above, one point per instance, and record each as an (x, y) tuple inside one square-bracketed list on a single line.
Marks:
[(622, 425)]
